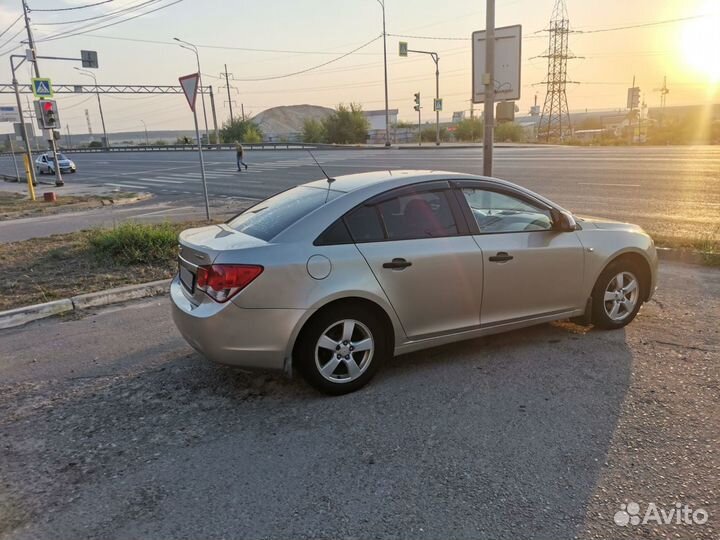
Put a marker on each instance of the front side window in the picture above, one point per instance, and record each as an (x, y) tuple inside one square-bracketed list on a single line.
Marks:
[(269, 218), (497, 212)]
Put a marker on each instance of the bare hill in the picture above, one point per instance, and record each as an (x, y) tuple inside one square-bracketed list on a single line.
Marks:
[(285, 120)]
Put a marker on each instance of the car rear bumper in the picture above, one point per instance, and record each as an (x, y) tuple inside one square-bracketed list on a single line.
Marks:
[(228, 334)]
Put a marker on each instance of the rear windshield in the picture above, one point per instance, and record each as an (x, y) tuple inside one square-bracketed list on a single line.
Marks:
[(269, 218)]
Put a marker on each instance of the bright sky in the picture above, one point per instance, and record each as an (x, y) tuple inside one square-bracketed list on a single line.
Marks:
[(301, 34)]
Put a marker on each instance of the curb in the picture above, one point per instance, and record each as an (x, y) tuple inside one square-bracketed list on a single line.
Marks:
[(23, 315)]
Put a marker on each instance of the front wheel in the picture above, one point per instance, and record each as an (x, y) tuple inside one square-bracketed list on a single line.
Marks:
[(617, 296), (340, 349)]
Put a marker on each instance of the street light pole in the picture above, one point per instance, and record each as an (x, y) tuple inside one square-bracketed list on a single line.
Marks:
[(23, 127), (387, 111), (193, 48), (489, 88), (147, 141), (97, 93)]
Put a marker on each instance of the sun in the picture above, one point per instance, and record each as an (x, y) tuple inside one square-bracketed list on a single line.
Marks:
[(700, 43)]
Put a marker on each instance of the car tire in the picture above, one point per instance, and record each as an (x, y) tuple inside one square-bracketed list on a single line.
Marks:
[(617, 295), (331, 362)]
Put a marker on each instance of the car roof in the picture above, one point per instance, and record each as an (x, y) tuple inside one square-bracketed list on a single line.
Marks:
[(351, 182)]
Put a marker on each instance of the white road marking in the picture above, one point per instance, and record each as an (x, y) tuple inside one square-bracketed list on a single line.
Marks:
[(161, 181), (605, 184), (126, 185)]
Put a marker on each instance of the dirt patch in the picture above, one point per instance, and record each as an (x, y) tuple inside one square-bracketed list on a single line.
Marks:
[(15, 205)]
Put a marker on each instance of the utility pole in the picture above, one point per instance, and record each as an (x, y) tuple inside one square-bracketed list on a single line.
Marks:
[(242, 108), (489, 81), (214, 116), (227, 86), (387, 112), (23, 126), (67, 128), (48, 133)]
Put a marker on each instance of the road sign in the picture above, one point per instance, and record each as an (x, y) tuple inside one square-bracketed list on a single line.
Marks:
[(9, 114), (89, 59), (437, 104), (508, 41), (42, 88), (189, 85), (403, 48), (458, 116)]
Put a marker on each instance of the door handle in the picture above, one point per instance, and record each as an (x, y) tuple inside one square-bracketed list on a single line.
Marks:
[(501, 256), (397, 264)]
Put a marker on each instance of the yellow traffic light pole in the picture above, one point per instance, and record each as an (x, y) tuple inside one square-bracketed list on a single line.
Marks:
[(28, 175)]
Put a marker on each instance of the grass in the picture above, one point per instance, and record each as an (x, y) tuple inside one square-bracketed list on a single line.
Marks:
[(15, 205), (135, 243), (60, 266), (707, 243)]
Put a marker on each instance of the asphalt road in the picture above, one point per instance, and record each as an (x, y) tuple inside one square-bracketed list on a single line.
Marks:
[(112, 427), (673, 190)]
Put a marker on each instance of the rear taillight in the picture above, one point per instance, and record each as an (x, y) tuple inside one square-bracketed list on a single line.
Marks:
[(223, 281)]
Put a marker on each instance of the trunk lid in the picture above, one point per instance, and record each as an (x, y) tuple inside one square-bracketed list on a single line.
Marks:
[(202, 245)]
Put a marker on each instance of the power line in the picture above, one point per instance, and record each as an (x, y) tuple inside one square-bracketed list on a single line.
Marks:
[(313, 67), (104, 16), (12, 38), (75, 7), (641, 25), (224, 47), (80, 30), (11, 25)]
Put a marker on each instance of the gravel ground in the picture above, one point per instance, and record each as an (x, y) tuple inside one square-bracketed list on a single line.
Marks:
[(111, 427)]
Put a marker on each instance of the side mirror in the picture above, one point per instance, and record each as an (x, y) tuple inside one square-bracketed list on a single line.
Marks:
[(562, 221)]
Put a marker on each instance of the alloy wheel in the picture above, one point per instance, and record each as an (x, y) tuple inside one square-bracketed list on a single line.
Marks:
[(621, 296), (344, 351)]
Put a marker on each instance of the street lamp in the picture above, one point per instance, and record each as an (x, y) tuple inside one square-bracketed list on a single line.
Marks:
[(97, 93), (147, 142), (387, 112), (190, 47)]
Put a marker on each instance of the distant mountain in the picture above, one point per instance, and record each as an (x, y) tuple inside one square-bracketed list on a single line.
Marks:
[(288, 120)]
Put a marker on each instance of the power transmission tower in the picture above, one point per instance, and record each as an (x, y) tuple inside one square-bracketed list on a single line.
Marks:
[(664, 91), (228, 77), (555, 119)]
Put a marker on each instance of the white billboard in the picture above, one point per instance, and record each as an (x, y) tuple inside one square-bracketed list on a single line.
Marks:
[(508, 47)]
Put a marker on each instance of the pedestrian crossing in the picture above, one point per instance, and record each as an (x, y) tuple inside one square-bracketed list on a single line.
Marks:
[(254, 181)]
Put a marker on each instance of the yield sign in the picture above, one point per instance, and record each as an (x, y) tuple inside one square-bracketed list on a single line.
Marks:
[(189, 85)]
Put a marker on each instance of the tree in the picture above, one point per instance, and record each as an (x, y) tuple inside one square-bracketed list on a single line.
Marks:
[(429, 134), (237, 129), (313, 131), (470, 129), (509, 131), (346, 125)]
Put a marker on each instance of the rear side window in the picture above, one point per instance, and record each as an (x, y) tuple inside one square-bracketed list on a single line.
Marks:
[(418, 215), (269, 218), (364, 225)]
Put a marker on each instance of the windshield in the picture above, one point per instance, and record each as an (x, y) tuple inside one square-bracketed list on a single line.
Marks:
[(269, 218), (60, 157)]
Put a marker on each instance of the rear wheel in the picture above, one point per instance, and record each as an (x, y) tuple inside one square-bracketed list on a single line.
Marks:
[(617, 296), (340, 349)]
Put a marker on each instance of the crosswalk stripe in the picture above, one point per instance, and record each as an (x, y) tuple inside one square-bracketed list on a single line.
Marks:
[(125, 185), (161, 181)]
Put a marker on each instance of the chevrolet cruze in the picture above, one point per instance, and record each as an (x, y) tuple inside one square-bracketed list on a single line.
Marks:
[(332, 277)]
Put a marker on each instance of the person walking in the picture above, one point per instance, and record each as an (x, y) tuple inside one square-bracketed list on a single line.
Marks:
[(239, 154)]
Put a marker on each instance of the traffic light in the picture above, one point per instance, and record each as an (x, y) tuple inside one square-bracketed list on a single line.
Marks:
[(633, 97), (417, 101), (48, 117)]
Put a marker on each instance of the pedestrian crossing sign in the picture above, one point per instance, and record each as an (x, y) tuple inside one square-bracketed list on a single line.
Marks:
[(42, 88)]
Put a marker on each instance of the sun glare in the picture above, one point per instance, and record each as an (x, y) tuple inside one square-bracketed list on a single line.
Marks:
[(701, 44)]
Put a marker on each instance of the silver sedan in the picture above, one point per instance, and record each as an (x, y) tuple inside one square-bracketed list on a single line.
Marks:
[(333, 277)]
